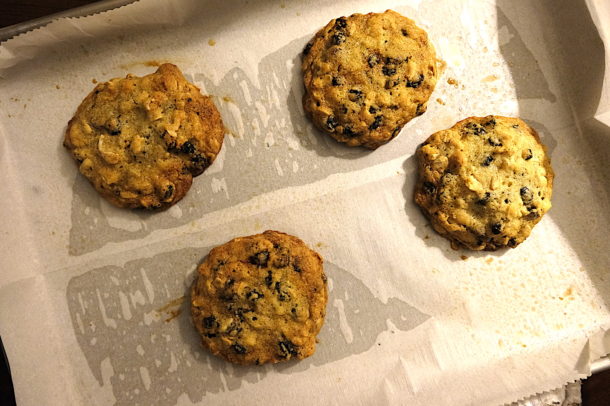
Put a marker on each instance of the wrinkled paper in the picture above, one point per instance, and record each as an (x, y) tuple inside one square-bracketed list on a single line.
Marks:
[(92, 298)]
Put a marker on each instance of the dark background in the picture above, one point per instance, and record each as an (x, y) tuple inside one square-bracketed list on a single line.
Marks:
[(595, 390)]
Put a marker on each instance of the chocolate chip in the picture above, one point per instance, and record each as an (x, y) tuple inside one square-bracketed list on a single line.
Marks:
[(269, 279), (484, 200), (340, 23), (529, 155), (187, 148), (496, 228), (404, 32), (395, 132), (476, 129), (211, 335), (254, 295), (338, 38), (307, 48), (331, 123), (348, 132), (239, 349), (415, 84), (288, 349), (115, 132), (429, 187), (420, 109), (355, 95), (282, 295), (296, 266), (373, 60), (169, 191), (260, 258), (488, 161), (491, 123), (526, 195), (336, 81), (375, 124), (373, 109), (209, 322), (512, 242), (516, 126), (388, 71), (494, 142)]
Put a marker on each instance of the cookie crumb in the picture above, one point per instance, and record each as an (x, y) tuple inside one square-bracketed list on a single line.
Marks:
[(452, 82), (211, 42)]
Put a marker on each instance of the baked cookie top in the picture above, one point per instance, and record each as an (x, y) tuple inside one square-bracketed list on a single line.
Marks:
[(260, 299), (366, 76), (485, 182), (140, 140)]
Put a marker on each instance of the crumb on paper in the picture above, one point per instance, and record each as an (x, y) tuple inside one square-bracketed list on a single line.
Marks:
[(440, 101), (490, 78), (426, 237), (464, 257), (452, 82), (489, 260), (153, 63), (298, 14), (282, 5), (494, 90), (94, 81), (211, 42), (227, 99), (57, 87)]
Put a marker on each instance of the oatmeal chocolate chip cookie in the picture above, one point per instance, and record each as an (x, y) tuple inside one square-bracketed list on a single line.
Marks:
[(366, 76), (260, 299), (485, 182), (140, 140)]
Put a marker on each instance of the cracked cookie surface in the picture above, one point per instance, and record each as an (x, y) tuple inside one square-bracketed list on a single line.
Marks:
[(485, 182), (260, 299), (141, 140), (366, 76)]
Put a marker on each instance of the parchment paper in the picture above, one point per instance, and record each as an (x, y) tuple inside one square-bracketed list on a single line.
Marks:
[(90, 296)]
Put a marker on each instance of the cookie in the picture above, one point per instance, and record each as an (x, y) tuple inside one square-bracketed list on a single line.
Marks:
[(366, 76), (141, 140), (260, 299), (485, 182)]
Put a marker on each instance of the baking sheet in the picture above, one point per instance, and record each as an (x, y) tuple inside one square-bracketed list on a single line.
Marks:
[(406, 315)]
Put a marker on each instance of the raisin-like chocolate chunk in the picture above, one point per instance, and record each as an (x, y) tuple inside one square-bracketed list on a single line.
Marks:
[(239, 349), (336, 81), (373, 60), (340, 23), (260, 258), (420, 109), (169, 191), (209, 322), (395, 132), (429, 187), (296, 266), (307, 48), (288, 349), (282, 295), (476, 129), (494, 142), (331, 123), (491, 123), (355, 95), (416, 83), (375, 124), (526, 195), (404, 32), (496, 228), (373, 109), (269, 279), (529, 155), (484, 200), (348, 132), (488, 160), (254, 295), (187, 148), (388, 71), (512, 242), (338, 38)]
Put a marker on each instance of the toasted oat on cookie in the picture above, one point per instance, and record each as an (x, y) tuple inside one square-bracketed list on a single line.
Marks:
[(141, 140), (260, 299), (485, 182), (366, 76)]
